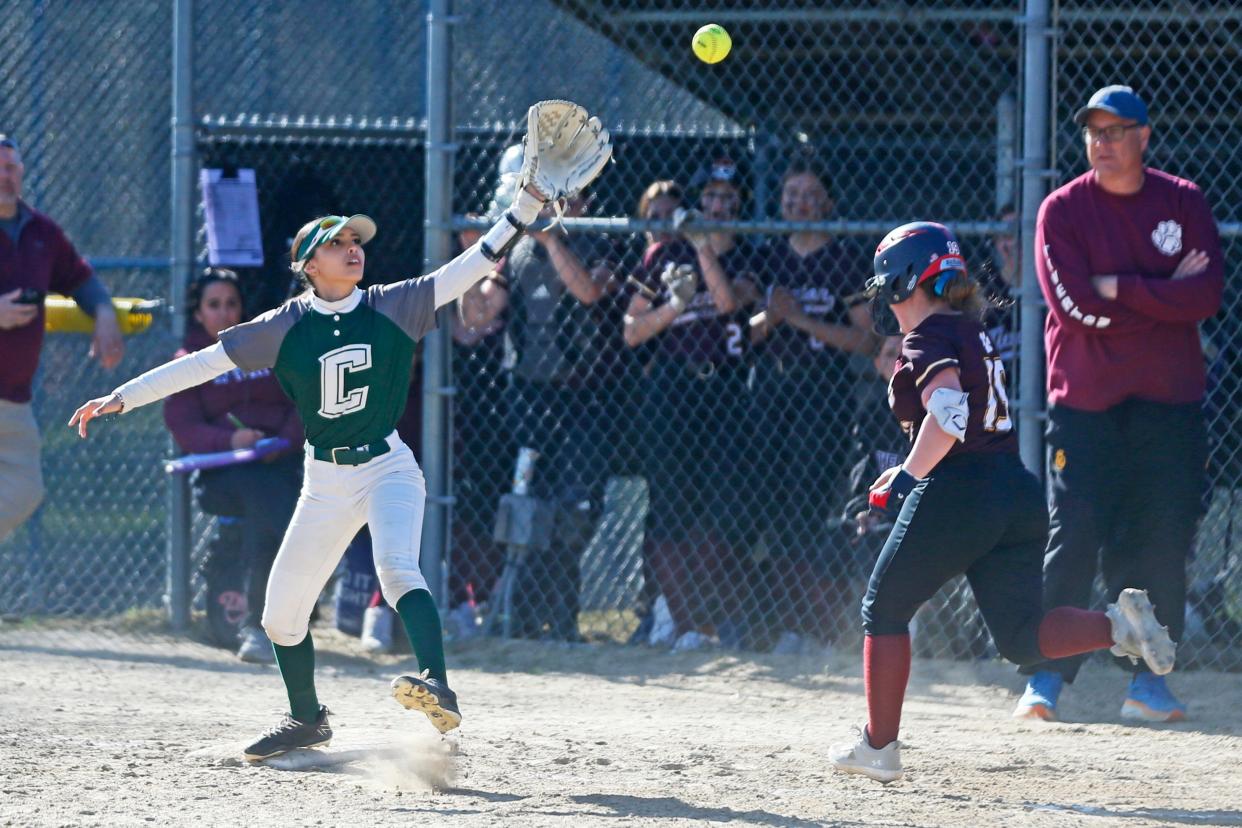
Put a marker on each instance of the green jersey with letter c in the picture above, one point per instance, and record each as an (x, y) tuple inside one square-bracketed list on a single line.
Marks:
[(347, 372)]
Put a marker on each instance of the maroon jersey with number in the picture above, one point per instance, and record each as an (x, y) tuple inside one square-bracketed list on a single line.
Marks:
[(820, 281), (700, 333), (953, 340)]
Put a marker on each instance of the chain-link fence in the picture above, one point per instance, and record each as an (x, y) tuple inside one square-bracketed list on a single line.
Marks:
[(90, 113), (695, 479)]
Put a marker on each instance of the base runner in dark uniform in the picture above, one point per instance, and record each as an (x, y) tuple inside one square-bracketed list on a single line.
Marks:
[(962, 502)]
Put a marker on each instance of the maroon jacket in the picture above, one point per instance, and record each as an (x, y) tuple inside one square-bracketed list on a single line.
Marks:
[(43, 259), (1145, 344), (198, 417)]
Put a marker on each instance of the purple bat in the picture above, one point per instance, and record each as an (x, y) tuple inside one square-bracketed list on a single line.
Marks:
[(192, 462)]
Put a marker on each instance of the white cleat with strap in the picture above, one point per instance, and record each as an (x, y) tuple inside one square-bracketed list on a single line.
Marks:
[(1137, 634)]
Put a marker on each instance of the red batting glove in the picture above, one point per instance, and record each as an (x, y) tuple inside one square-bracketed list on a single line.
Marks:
[(887, 501)]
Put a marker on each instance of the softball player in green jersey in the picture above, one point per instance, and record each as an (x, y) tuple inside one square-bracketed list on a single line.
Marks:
[(340, 353)]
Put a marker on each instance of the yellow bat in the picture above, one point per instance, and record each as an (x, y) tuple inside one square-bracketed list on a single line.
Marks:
[(133, 315)]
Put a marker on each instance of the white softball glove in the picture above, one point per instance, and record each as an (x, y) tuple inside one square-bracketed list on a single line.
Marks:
[(565, 149), (682, 283)]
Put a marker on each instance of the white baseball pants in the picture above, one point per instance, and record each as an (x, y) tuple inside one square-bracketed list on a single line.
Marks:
[(388, 493)]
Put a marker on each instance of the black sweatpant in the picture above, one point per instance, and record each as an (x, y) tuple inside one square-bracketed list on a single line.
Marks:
[(263, 496), (978, 514), (577, 440), (1126, 490)]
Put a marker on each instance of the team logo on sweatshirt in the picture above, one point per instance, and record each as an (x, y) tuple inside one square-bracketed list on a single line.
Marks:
[(1167, 237)]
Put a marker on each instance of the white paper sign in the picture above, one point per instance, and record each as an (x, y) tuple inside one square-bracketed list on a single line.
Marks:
[(231, 209)]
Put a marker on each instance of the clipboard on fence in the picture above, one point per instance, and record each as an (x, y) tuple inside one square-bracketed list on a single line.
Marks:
[(231, 213)]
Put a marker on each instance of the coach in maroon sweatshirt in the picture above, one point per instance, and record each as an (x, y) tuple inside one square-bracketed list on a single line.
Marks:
[(36, 257), (234, 411), (1129, 262)]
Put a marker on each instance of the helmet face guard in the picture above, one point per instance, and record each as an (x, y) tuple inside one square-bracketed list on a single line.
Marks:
[(883, 320), (910, 255)]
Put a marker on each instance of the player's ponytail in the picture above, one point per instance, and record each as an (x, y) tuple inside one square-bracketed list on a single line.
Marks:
[(961, 292)]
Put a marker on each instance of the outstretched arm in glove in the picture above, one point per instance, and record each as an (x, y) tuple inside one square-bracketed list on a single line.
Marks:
[(564, 150), (933, 442)]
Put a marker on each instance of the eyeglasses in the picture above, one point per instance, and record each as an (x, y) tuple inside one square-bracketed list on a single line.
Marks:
[(1109, 134), (722, 170)]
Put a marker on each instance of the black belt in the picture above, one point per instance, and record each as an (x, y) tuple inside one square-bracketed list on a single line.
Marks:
[(352, 456)]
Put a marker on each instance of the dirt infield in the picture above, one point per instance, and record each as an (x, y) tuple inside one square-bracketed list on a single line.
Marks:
[(120, 732)]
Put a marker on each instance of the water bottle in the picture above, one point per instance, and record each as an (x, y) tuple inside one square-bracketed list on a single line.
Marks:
[(524, 472)]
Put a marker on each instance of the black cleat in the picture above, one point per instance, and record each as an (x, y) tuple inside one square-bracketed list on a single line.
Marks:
[(430, 696), (291, 734)]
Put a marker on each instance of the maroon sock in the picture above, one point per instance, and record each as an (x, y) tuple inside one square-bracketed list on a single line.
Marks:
[(886, 669), (1067, 631)]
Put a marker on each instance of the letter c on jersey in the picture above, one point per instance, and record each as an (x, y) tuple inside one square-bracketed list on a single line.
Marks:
[(334, 400)]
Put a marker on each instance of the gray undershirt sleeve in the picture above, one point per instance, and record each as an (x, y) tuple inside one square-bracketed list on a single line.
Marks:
[(90, 295)]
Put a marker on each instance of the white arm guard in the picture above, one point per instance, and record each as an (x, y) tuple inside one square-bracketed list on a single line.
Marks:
[(497, 241), (503, 235), (178, 375), (950, 408), (505, 232)]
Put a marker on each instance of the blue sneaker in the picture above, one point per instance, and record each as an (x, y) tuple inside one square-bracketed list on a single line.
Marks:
[(1040, 699), (1150, 700)]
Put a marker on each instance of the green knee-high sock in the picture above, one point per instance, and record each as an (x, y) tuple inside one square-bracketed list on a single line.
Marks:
[(422, 624), (297, 668)]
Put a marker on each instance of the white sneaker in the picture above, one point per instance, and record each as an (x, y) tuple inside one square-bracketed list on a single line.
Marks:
[(377, 629), (1138, 634), (790, 643), (692, 640), (663, 627), (464, 622), (256, 647), (881, 764)]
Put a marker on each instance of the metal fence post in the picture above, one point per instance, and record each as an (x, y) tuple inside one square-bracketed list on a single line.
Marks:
[(1006, 148), (181, 242), (438, 344), (1036, 103)]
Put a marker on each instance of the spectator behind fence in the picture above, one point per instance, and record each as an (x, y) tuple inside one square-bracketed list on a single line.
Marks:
[(687, 304), (1129, 262), (35, 258), (803, 404), (234, 411), (562, 343)]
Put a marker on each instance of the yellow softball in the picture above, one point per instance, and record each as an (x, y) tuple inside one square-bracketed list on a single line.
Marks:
[(712, 43)]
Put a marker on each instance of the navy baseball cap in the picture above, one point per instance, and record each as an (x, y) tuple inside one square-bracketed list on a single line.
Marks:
[(1119, 100)]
